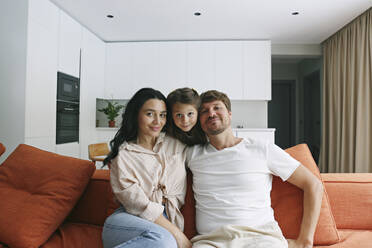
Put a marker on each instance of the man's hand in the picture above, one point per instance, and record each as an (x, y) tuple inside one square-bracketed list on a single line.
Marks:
[(295, 243)]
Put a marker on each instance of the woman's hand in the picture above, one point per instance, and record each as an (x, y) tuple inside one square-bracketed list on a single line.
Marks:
[(295, 243), (182, 240)]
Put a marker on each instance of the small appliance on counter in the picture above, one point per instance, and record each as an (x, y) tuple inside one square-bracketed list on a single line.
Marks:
[(68, 101)]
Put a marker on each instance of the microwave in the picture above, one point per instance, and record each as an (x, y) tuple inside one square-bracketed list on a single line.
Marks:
[(68, 88)]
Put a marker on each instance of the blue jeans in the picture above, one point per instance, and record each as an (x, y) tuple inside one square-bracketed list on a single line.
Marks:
[(123, 230)]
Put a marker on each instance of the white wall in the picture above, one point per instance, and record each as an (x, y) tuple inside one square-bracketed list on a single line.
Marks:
[(13, 48), (296, 50), (249, 114)]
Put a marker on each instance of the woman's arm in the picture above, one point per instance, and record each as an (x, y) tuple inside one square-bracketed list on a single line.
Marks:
[(182, 240), (129, 193)]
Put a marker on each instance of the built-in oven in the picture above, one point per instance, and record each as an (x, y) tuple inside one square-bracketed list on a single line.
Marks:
[(68, 96), (67, 122)]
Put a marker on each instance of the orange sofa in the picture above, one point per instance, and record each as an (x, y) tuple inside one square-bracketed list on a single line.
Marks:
[(350, 198)]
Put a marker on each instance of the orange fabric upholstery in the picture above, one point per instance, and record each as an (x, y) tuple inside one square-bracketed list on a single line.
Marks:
[(83, 226), (71, 235), (98, 190), (349, 238), (37, 190), (2, 150), (188, 210), (351, 206), (353, 239), (287, 202)]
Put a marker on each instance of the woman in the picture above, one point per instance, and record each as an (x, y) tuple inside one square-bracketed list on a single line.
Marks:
[(148, 178)]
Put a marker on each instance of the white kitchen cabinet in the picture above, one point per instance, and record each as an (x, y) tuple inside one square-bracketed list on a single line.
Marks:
[(257, 70), (41, 75), (200, 65), (171, 66), (256, 133), (44, 143), (44, 13), (145, 63), (69, 149), (119, 81), (242, 69), (229, 68), (69, 45)]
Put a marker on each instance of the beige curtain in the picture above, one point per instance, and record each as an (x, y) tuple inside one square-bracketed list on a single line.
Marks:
[(347, 105)]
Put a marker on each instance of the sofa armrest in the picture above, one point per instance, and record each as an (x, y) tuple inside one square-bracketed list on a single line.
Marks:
[(97, 201), (350, 196)]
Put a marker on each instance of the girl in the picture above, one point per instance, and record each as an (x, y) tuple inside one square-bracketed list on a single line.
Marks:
[(183, 104), (148, 178)]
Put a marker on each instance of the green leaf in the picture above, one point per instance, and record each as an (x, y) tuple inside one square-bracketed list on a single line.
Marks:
[(112, 110)]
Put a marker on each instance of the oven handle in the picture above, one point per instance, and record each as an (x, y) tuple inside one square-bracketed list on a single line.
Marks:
[(69, 109)]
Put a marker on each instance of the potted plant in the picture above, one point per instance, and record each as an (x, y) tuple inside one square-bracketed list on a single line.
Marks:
[(112, 111)]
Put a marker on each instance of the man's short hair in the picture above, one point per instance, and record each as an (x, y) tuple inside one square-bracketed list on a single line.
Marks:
[(214, 95)]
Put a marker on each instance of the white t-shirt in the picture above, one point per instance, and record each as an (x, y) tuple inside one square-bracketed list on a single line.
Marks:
[(232, 186)]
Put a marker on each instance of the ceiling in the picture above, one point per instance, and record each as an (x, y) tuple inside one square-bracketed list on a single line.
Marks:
[(155, 20)]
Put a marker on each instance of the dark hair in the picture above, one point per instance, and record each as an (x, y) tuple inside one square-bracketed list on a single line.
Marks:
[(129, 126), (214, 95), (185, 96)]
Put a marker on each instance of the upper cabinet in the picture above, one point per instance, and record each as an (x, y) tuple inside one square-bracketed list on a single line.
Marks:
[(41, 79), (119, 81), (171, 66), (257, 70), (70, 33), (144, 66), (229, 68), (200, 65), (241, 69)]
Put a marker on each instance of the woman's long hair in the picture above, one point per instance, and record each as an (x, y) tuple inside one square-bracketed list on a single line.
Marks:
[(129, 126), (186, 96)]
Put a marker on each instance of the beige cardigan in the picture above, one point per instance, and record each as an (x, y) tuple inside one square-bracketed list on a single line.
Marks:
[(143, 180)]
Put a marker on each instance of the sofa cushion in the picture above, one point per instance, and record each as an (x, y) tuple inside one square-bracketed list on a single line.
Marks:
[(37, 190), (97, 202), (287, 202), (188, 210), (70, 235), (350, 195), (352, 239)]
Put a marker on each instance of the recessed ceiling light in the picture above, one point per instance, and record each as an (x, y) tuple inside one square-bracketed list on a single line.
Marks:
[(197, 13), (110, 16), (295, 13)]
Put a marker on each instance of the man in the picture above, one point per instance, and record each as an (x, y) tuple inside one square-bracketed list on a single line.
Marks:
[(232, 180)]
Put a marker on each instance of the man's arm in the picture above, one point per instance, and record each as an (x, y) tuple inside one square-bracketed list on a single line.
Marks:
[(313, 193)]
